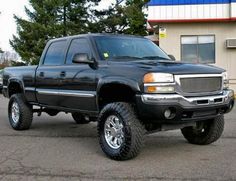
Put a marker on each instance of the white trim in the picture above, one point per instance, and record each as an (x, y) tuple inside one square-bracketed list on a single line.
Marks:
[(29, 89), (69, 93), (181, 12), (233, 10)]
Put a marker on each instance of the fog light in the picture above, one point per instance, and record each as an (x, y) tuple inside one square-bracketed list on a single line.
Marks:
[(167, 113), (170, 113)]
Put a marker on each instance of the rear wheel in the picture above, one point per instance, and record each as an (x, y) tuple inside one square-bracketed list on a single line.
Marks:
[(120, 131), (79, 118), (205, 132), (20, 113)]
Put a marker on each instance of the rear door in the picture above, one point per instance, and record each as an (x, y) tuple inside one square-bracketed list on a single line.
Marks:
[(78, 84), (49, 72)]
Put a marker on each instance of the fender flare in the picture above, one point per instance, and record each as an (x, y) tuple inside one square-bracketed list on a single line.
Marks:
[(118, 80), (15, 80)]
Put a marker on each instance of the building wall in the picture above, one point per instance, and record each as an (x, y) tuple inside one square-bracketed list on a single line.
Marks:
[(225, 58), (193, 10)]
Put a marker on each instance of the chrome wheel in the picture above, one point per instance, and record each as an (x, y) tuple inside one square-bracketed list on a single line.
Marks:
[(15, 112), (120, 131), (113, 131)]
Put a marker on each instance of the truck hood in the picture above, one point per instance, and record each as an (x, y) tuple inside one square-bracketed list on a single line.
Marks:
[(172, 67)]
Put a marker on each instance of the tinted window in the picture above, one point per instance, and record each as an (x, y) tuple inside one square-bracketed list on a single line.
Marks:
[(198, 49), (124, 48), (55, 53), (79, 45)]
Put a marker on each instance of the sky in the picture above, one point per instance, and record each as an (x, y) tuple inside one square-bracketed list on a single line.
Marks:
[(7, 22)]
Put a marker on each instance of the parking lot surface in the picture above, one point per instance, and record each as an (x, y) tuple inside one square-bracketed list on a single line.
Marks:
[(55, 148)]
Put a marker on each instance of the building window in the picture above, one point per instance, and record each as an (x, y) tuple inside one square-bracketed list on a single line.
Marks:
[(198, 49)]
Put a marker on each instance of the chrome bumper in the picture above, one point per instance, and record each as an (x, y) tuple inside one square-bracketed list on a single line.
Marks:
[(224, 98)]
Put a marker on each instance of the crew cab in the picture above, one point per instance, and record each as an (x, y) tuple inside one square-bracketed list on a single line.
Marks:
[(127, 84)]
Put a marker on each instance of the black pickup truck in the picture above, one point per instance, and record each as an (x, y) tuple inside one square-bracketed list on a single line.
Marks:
[(127, 84)]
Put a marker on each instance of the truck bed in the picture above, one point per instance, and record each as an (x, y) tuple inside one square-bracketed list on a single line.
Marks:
[(24, 74)]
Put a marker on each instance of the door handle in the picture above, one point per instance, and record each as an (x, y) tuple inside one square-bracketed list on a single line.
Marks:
[(41, 74), (63, 74)]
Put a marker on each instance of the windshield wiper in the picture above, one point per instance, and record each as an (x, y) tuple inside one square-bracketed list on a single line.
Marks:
[(155, 58), (127, 57)]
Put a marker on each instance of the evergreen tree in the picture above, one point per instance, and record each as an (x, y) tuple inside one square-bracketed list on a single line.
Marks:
[(129, 18), (48, 19), (34, 33), (135, 17)]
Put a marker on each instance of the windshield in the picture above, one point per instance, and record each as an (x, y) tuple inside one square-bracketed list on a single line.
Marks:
[(128, 48)]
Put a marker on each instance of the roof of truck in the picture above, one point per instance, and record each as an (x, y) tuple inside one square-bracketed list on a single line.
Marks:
[(95, 34)]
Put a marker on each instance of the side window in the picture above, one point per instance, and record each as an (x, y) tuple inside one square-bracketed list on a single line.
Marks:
[(55, 53), (79, 45)]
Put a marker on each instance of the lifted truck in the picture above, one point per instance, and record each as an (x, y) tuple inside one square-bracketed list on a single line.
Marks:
[(127, 84)]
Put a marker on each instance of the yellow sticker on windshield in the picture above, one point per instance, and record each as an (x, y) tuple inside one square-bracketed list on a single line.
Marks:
[(106, 55)]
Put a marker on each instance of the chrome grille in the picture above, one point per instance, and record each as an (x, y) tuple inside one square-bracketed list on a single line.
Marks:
[(201, 84)]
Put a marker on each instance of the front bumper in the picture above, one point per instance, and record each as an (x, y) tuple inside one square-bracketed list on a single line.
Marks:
[(152, 107)]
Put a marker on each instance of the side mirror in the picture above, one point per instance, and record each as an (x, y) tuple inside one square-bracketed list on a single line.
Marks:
[(172, 57), (82, 58)]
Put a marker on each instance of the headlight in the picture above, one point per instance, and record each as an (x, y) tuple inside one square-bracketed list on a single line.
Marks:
[(159, 83), (158, 78), (159, 89), (225, 80)]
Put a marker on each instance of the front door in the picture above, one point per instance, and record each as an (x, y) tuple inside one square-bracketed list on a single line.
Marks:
[(78, 84)]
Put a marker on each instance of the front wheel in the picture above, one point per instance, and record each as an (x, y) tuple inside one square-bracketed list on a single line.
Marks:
[(205, 132), (20, 113), (120, 131)]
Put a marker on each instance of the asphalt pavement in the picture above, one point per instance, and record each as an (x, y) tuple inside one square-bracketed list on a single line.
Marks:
[(55, 148)]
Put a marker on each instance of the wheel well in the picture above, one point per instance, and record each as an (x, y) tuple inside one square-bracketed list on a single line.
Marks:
[(14, 88), (115, 93)]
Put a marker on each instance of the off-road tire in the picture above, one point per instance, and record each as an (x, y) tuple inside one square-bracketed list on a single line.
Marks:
[(25, 113), (212, 130), (133, 131), (79, 118)]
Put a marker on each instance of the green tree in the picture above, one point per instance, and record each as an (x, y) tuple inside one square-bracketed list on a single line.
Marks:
[(48, 19), (129, 18), (135, 17), (74, 16), (34, 33)]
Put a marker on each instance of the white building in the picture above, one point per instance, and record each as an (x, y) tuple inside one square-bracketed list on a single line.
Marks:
[(199, 31)]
